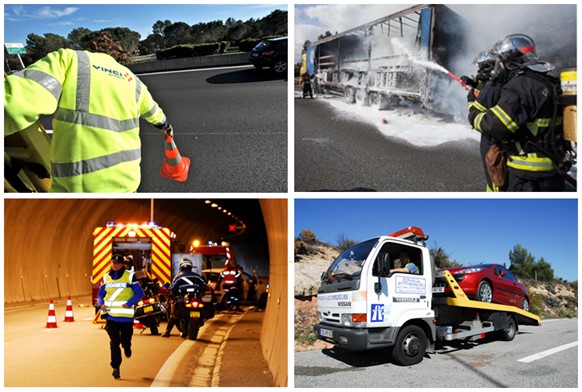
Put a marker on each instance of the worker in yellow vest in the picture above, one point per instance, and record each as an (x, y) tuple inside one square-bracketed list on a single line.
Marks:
[(96, 104)]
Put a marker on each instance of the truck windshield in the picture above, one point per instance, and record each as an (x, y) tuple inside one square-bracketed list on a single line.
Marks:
[(349, 263)]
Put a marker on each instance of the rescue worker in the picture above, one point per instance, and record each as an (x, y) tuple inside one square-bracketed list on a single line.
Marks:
[(229, 277), (404, 259), (306, 85), (117, 297), (526, 118), (188, 276), (489, 90), (96, 103)]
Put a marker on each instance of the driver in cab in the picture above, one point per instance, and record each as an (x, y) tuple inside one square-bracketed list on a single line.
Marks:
[(404, 260)]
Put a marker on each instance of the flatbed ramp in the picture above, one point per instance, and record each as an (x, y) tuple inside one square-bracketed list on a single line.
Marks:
[(461, 300)]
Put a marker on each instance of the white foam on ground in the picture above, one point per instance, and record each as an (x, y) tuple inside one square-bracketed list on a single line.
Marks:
[(419, 129)]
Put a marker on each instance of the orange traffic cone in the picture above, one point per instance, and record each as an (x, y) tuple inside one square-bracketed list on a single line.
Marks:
[(69, 312), (51, 321), (175, 167)]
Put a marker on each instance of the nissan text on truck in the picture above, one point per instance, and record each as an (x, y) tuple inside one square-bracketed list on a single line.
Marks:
[(362, 306)]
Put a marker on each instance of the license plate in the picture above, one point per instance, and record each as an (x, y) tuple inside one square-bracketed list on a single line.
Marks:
[(326, 332), (195, 314), (148, 309), (255, 55), (438, 289)]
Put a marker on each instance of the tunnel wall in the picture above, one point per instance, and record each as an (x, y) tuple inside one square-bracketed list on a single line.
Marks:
[(275, 330)]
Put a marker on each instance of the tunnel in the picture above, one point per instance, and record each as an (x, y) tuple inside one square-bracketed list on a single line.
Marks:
[(48, 248)]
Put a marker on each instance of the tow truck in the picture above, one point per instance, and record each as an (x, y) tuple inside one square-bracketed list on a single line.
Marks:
[(362, 305)]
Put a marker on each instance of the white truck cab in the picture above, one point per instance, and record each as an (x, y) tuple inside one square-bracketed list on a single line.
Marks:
[(367, 301)]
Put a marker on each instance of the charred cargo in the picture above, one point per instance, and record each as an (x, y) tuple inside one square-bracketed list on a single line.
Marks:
[(389, 58)]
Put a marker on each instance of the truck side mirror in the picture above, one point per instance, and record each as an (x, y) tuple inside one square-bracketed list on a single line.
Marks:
[(377, 286)]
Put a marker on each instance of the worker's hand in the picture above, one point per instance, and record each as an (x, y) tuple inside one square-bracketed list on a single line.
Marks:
[(472, 96), (167, 130), (125, 305), (103, 307), (469, 81)]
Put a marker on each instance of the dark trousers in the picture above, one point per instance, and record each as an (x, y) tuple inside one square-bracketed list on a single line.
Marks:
[(543, 184), (119, 334)]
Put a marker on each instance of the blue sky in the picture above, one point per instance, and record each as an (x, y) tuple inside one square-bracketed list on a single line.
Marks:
[(470, 230), (21, 20)]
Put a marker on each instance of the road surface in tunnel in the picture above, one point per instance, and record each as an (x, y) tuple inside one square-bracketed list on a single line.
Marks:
[(77, 353)]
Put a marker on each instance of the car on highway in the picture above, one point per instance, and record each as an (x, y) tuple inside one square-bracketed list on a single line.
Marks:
[(272, 53), (254, 289), (487, 283)]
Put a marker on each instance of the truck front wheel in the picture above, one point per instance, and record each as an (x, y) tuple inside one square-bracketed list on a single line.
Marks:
[(410, 346)]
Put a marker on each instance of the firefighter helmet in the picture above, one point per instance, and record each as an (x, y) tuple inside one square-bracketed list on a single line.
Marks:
[(186, 263), (516, 51), (485, 59)]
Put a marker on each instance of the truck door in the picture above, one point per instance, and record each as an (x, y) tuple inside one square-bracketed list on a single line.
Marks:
[(392, 291)]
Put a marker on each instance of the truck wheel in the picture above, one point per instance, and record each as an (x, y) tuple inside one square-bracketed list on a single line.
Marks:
[(362, 97), (485, 292), (410, 346), (510, 330)]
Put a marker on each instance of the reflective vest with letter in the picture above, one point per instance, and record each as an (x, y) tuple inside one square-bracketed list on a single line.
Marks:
[(96, 103), (118, 292)]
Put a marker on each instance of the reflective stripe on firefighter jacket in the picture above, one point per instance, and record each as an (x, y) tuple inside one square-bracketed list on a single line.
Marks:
[(118, 292), (96, 103), (229, 277), (524, 110)]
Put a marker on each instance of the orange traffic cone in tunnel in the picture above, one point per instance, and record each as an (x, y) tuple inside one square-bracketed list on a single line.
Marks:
[(51, 321), (69, 311), (175, 167)]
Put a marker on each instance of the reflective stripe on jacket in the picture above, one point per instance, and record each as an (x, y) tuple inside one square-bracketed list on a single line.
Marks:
[(524, 111), (117, 293), (96, 104), (229, 277)]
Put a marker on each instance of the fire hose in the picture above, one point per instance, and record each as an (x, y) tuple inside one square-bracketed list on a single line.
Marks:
[(465, 85)]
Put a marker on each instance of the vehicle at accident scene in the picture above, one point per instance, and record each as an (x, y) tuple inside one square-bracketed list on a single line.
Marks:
[(366, 301), (487, 283)]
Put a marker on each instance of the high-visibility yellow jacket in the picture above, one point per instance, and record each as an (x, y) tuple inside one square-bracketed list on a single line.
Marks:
[(117, 293), (96, 103)]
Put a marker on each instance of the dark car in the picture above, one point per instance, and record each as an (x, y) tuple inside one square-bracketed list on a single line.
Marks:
[(271, 53), (487, 283)]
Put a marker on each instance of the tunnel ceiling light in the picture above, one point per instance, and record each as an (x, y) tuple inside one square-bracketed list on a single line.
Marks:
[(214, 205), (207, 202)]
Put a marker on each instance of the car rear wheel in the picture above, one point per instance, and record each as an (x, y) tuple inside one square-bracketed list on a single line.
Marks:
[(280, 67), (525, 304), (485, 292)]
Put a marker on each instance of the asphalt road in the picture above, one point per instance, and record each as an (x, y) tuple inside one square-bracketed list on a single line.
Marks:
[(486, 364), (230, 122), (76, 354), (337, 153)]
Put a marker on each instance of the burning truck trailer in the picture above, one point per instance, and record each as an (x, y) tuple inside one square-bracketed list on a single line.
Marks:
[(391, 59)]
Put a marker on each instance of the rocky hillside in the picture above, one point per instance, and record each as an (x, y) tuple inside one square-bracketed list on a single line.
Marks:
[(549, 300)]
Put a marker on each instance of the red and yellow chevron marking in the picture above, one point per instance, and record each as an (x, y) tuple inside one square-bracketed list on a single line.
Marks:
[(102, 250)]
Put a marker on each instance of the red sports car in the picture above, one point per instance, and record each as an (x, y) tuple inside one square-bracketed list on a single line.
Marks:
[(488, 283)]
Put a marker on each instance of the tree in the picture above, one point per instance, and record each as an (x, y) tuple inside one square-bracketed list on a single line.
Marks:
[(152, 43), (543, 271), (307, 236), (176, 34), (522, 262), (75, 37), (238, 31), (159, 27), (37, 47), (343, 242), (442, 259)]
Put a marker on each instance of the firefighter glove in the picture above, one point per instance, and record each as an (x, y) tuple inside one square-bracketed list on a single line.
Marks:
[(469, 81), (471, 96), (167, 130)]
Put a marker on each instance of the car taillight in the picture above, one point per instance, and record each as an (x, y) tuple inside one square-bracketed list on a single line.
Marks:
[(269, 53)]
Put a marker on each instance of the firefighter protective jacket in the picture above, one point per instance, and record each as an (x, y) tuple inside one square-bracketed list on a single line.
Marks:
[(118, 289), (96, 104), (524, 112)]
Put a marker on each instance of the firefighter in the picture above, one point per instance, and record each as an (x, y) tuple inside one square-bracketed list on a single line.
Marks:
[(306, 85), (230, 277), (526, 118), (489, 90), (117, 297), (96, 103), (187, 276)]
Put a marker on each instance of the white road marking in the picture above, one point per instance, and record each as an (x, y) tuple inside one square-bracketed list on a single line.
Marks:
[(543, 354)]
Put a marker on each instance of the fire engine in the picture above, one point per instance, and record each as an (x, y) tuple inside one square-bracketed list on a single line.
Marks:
[(363, 306), (148, 244)]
